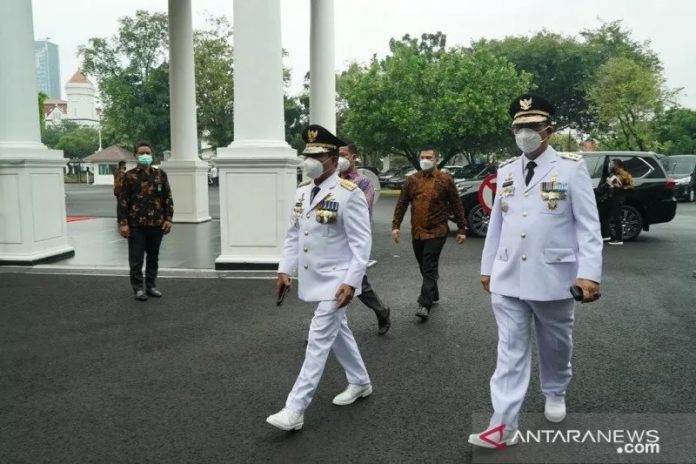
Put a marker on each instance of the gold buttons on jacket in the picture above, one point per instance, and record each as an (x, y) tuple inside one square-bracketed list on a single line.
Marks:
[(526, 194), (523, 235), (305, 249), (524, 257), (524, 214), (306, 232), (306, 266)]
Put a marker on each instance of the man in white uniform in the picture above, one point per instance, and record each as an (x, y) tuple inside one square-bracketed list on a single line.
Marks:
[(327, 246), (543, 237)]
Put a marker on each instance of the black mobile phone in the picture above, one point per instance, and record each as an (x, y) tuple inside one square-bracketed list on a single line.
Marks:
[(283, 294), (576, 292)]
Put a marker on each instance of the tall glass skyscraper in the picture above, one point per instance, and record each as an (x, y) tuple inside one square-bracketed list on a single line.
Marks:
[(47, 68)]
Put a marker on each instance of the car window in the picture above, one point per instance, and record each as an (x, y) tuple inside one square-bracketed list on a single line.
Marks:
[(635, 165), (680, 164), (658, 168), (594, 166)]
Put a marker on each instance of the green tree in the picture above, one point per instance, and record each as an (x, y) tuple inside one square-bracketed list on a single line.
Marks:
[(563, 68), (557, 66), (42, 117), (675, 131), (626, 97), (53, 132), (79, 143), (214, 60), (133, 79), (423, 93)]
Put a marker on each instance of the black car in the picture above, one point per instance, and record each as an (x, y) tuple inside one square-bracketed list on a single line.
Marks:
[(397, 181), (650, 202), (682, 168)]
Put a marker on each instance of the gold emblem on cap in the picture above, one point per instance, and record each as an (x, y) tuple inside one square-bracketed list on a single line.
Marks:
[(526, 104), (312, 135)]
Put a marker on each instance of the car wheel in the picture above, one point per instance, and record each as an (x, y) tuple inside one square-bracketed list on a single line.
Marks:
[(632, 222), (478, 220)]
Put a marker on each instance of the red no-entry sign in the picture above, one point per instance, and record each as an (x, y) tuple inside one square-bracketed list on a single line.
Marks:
[(486, 193)]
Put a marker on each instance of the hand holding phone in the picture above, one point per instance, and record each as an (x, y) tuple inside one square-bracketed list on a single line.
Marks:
[(283, 294)]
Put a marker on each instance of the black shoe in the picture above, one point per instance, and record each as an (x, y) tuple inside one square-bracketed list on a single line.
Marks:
[(423, 313), (154, 292), (140, 295), (383, 322)]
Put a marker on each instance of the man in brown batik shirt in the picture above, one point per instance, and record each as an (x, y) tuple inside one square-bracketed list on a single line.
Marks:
[(432, 196), (145, 211)]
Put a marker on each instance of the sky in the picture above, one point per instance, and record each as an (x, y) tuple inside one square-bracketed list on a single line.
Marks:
[(364, 27)]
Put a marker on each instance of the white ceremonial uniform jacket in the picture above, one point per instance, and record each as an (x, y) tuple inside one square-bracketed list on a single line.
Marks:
[(325, 255), (543, 236)]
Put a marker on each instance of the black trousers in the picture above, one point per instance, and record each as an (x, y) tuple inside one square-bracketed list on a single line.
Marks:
[(616, 214), (144, 241), (370, 299), (428, 257)]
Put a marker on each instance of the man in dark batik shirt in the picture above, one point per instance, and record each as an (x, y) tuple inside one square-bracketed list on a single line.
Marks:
[(145, 211)]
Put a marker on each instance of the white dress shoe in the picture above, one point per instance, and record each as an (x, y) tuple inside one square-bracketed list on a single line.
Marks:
[(286, 420), (555, 409), (508, 438), (352, 393)]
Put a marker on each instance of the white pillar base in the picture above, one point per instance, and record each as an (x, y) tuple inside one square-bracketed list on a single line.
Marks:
[(258, 180), (33, 227), (188, 180)]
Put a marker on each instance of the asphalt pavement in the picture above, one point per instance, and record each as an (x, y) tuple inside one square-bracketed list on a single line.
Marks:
[(90, 375)]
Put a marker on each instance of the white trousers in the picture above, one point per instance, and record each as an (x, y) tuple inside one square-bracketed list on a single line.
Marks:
[(553, 324), (328, 331)]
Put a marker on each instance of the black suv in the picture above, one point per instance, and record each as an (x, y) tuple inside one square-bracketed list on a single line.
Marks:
[(651, 201)]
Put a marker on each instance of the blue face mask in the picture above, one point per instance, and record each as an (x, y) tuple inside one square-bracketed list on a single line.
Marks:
[(145, 159)]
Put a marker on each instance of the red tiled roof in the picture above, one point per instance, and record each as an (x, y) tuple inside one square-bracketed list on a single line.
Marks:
[(79, 78)]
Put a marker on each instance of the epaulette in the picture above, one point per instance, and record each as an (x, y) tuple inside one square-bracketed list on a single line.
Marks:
[(306, 182), (348, 185), (507, 161), (571, 156)]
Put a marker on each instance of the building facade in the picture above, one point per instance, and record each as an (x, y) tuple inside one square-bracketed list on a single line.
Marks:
[(47, 68), (80, 107)]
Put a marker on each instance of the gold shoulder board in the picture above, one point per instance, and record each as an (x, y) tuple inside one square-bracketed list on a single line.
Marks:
[(348, 185), (307, 182), (571, 156)]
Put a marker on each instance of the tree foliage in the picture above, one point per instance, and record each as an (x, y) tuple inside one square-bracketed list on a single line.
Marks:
[(42, 117), (626, 97), (133, 79), (132, 73), (214, 61), (78, 143), (564, 68), (676, 131), (424, 93)]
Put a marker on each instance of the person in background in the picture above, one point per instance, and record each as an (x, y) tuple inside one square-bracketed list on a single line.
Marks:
[(145, 212), (347, 170), (432, 196), (620, 182)]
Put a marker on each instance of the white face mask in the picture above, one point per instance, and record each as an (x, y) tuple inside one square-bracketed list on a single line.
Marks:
[(528, 140), (312, 168), (343, 164), (426, 164)]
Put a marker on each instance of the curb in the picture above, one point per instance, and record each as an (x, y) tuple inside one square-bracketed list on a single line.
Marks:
[(123, 271)]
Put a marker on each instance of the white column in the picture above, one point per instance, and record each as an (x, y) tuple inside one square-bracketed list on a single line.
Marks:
[(257, 172), (322, 71), (32, 195), (188, 175)]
